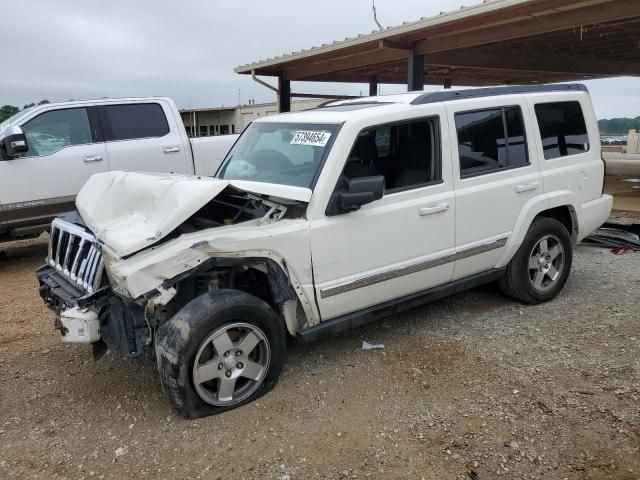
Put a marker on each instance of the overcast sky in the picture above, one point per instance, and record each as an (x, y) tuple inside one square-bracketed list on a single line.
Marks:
[(187, 49)]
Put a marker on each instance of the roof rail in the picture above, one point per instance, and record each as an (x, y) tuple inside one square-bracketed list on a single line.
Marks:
[(435, 97)]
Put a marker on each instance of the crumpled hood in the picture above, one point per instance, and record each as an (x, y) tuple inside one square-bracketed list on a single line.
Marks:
[(131, 211)]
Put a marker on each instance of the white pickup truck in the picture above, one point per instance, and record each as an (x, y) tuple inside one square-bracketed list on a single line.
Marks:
[(48, 152), (323, 220)]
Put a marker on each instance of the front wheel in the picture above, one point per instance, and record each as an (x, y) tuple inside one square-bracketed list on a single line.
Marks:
[(541, 266), (220, 351)]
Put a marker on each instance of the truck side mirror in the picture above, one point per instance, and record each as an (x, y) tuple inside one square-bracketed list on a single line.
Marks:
[(14, 142), (357, 192)]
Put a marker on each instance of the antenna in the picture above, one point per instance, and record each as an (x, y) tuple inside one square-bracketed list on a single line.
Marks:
[(375, 16)]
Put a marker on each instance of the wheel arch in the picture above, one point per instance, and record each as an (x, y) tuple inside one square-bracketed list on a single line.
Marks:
[(262, 277), (560, 205)]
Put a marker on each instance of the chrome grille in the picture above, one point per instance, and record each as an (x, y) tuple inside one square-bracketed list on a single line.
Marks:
[(76, 254)]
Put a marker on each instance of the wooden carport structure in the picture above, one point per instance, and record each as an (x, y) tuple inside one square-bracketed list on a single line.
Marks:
[(498, 42)]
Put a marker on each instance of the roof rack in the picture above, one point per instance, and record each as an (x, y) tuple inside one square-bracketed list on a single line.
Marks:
[(435, 97)]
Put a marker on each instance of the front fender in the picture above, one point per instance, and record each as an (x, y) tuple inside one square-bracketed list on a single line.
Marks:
[(155, 269)]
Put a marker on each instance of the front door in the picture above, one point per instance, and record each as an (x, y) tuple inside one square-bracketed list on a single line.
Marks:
[(63, 153), (400, 244)]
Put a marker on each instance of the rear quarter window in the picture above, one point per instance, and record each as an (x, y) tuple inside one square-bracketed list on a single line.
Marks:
[(133, 121), (562, 128)]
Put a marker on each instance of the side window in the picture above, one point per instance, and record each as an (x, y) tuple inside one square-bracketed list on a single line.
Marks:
[(54, 130), (407, 154), (562, 128), (490, 140), (133, 121)]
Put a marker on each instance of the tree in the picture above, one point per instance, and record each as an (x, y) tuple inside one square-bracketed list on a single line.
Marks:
[(619, 125), (7, 111)]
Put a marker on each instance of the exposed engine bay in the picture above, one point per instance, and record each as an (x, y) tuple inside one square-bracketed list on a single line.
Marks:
[(93, 308)]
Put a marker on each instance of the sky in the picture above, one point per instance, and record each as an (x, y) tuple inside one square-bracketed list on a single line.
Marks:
[(187, 49)]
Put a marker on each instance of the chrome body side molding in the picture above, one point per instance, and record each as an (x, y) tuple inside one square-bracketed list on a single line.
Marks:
[(409, 269)]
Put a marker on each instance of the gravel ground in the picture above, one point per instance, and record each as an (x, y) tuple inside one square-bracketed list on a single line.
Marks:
[(474, 386)]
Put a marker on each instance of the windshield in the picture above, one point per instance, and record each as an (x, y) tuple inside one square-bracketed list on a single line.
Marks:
[(13, 118), (283, 153)]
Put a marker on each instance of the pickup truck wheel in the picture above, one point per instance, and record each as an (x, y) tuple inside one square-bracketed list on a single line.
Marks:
[(540, 267), (220, 351)]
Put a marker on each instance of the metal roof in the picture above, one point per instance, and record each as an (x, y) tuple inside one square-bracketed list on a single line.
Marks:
[(496, 42), (389, 32)]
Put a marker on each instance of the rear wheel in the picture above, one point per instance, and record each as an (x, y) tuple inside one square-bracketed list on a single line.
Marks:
[(541, 266), (220, 351)]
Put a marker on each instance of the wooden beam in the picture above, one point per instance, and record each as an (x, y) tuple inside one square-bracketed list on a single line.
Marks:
[(466, 81), (391, 45), (538, 25), (558, 64), (369, 58)]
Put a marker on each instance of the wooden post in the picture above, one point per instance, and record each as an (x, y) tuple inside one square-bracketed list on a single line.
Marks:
[(284, 95), (415, 72)]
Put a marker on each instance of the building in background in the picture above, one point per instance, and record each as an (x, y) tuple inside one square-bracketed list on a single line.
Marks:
[(205, 122)]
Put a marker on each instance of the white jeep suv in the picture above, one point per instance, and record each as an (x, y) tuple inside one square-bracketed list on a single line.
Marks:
[(323, 220)]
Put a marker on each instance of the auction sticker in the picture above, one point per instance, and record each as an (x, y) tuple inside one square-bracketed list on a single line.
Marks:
[(310, 137)]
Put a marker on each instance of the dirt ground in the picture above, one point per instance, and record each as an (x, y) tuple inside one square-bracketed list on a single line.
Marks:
[(472, 385)]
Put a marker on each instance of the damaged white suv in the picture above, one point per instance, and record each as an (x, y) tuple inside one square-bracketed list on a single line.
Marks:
[(323, 220)]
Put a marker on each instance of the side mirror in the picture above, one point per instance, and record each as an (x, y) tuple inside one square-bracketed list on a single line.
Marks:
[(358, 192), (14, 142)]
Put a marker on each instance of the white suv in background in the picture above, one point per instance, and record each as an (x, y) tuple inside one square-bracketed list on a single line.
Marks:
[(322, 220)]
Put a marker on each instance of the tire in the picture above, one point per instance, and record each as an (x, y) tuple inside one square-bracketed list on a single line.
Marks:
[(532, 282), (201, 381)]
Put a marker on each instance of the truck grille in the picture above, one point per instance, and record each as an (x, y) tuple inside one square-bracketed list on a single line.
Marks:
[(76, 254)]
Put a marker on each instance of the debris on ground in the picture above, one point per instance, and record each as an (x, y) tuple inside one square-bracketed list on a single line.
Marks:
[(371, 346), (621, 240)]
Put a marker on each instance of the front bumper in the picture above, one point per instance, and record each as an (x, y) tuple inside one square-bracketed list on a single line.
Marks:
[(100, 318), (76, 324), (58, 294)]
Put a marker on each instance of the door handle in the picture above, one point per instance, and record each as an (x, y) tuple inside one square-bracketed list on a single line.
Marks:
[(171, 149), (431, 209), (92, 159), (527, 187)]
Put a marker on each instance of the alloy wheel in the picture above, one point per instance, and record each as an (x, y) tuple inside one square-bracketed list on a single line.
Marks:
[(546, 263), (231, 363)]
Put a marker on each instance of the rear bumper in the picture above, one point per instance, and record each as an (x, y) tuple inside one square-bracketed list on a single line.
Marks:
[(594, 214)]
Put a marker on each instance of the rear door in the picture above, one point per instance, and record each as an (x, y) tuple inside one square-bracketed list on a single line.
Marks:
[(496, 172), (65, 149), (144, 137)]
